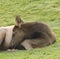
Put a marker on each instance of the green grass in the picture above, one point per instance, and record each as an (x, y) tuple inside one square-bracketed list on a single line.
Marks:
[(32, 10)]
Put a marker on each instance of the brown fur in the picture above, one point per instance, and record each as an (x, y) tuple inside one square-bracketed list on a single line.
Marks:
[(22, 31)]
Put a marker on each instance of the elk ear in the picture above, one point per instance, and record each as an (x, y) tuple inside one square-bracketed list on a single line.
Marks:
[(18, 21)]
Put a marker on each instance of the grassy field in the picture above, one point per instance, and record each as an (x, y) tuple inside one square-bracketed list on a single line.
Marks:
[(47, 11)]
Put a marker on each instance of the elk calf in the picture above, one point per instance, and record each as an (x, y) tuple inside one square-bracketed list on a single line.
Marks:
[(32, 34)]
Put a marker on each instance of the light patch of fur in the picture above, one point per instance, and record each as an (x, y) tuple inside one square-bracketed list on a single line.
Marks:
[(2, 35), (26, 44), (8, 35)]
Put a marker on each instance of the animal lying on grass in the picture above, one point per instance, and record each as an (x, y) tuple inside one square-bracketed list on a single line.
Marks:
[(26, 35), (32, 35)]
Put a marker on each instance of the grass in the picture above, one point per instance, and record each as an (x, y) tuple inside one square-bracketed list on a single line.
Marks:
[(47, 11)]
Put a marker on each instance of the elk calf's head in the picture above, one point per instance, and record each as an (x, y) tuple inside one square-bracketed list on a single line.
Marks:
[(18, 33)]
